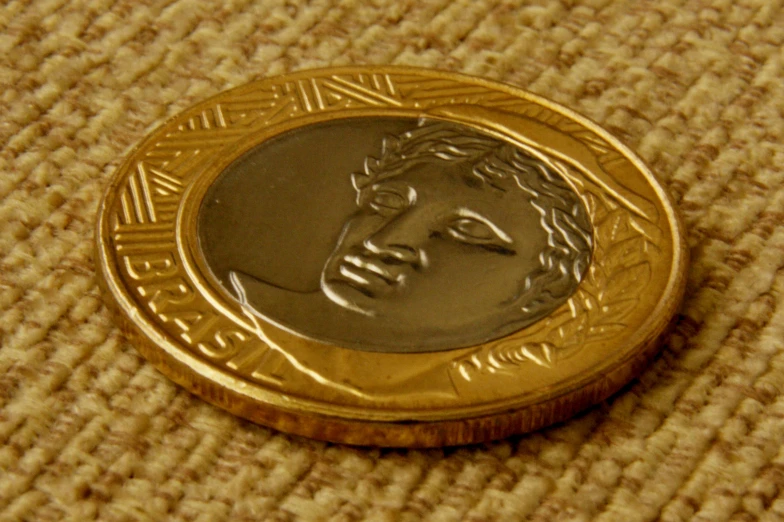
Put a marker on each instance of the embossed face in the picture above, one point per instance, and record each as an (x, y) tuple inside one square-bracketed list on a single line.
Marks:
[(435, 244), (454, 237)]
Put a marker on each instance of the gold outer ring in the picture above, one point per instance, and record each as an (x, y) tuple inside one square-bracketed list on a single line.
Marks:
[(189, 327)]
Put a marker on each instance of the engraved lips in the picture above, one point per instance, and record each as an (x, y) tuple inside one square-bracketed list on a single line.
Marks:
[(369, 273)]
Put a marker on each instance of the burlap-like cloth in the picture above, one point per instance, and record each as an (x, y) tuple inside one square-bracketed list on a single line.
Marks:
[(89, 430)]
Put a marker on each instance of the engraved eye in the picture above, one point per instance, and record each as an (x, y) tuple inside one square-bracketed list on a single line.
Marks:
[(387, 200), (471, 230), (474, 229)]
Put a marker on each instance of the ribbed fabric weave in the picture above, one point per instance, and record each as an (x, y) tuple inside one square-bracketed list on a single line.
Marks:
[(90, 431)]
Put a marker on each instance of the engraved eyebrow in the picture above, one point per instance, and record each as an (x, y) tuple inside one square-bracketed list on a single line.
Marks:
[(404, 189), (466, 212)]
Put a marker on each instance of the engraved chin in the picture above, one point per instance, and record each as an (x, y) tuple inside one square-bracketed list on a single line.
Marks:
[(354, 281)]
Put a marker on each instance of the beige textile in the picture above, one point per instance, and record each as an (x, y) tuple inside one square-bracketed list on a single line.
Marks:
[(90, 431)]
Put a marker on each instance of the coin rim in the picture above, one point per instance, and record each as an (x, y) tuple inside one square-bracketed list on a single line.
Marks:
[(234, 393)]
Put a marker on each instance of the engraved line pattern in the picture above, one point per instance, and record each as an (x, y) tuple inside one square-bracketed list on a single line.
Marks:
[(136, 200), (136, 237), (208, 119)]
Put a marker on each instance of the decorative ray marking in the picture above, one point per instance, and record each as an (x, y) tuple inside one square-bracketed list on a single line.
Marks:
[(302, 92), (133, 228), (168, 183), (317, 94), (221, 120), (146, 193), (136, 200), (143, 237), (390, 85), (157, 182), (210, 118), (359, 92), (127, 209)]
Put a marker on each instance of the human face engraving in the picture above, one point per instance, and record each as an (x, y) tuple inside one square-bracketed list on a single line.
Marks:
[(448, 237), (434, 241)]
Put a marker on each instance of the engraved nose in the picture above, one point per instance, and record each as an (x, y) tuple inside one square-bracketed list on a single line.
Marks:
[(396, 240)]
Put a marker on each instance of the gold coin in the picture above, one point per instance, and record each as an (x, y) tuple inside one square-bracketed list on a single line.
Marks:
[(390, 256)]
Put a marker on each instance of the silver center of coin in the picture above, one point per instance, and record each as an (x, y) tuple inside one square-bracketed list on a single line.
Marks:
[(395, 235)]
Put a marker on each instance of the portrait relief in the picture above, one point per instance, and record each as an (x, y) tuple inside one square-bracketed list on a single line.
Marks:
[(396, 235)]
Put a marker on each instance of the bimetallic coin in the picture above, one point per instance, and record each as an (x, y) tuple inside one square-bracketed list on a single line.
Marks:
[(390, 256)]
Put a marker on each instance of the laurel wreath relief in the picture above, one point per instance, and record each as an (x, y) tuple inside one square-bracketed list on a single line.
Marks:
[(617, 277)]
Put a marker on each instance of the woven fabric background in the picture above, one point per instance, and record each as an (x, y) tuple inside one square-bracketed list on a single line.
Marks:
[(90, 431)]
